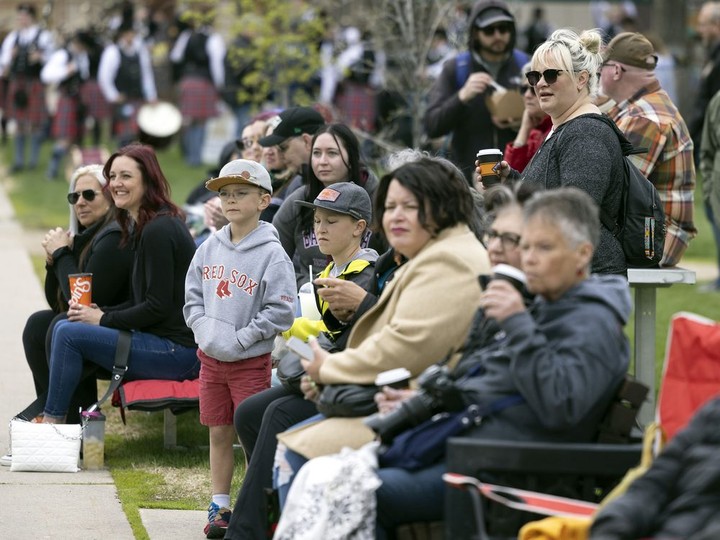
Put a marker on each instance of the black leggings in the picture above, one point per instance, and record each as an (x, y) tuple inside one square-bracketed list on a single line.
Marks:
[(258, 420), (36, 342)]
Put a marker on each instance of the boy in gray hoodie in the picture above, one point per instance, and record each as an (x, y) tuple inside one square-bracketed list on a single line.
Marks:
[(239, 294)]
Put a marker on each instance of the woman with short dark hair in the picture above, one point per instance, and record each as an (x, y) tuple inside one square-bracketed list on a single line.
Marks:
[(423, 314)]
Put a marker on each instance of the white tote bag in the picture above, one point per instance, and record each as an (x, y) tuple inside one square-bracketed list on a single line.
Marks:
[(45, 447)]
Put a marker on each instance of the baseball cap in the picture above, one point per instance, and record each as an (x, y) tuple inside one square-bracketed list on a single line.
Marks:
[(241, 171), (293, 122), (492, 15), (632, 49), (344, 198)]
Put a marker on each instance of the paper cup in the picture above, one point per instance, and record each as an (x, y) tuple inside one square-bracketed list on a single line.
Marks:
[(487, 159), (81, 288), (394, 378)]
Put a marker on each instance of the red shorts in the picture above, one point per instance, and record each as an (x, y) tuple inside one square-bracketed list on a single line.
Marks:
[(224, 385)]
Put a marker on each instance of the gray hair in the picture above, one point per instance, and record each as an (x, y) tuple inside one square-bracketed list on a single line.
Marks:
[(573, 53), (401, 157), (96, 171), (571, 210)]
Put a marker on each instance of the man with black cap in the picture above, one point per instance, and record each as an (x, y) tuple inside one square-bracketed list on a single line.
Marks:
[(457, 100), (294, 134), (650, 120), (24, 51)]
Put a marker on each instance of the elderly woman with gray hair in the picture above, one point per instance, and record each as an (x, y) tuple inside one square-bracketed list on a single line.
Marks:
[(90, 244)]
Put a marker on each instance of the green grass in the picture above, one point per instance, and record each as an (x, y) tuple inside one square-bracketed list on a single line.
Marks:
[(147, 475), (41, 204)]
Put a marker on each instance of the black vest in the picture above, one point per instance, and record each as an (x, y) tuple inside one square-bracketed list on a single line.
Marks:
[(71, 85), (21, 64), (128, 80), (196, 62)]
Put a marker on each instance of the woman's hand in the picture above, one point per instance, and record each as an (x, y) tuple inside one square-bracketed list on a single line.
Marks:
[(501, 300), (87, 314), (502, 169), (310, 389), (312, 367), (55, 239), (343, 297), (389, 399)]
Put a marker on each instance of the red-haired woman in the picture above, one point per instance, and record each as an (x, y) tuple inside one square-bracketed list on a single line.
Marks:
[(162, 345)]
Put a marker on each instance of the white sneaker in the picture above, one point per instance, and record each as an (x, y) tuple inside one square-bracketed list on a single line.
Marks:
[(6, 460)]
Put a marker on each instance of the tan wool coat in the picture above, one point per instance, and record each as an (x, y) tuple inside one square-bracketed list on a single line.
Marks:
[(422, 315)]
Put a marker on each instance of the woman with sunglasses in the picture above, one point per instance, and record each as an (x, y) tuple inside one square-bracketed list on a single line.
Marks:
[(534, 127), (582, 150), (162, 346), (91, 244)]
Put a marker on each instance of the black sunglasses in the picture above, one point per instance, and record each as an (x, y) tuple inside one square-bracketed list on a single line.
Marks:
[(503, 28), (87, 194), (550, 76), (525, 87)]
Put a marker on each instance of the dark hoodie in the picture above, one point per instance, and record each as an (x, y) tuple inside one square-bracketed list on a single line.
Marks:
[(470, 123), (565, 358)]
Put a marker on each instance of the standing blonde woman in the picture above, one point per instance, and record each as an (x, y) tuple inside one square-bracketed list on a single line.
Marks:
[(583, 149)]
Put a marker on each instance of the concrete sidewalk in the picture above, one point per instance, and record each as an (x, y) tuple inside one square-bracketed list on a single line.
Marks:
[(54, 505)]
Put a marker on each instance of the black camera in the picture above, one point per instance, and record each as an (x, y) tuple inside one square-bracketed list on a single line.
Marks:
[(438, 392)]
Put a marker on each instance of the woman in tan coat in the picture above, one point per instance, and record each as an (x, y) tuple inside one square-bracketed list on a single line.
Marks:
[(423, 315)]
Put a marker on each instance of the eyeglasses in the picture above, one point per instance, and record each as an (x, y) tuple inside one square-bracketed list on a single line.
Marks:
[(507, 240), (87, 194), (525, 87), (503, 28), (550, 76), (237, 195), (613, 65)]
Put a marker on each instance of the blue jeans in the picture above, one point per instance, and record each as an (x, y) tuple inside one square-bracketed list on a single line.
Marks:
[(194, 140), (409, 496), (151, 357), (293, 462)]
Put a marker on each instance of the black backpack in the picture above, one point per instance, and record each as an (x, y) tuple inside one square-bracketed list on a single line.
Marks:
[(640, 225)]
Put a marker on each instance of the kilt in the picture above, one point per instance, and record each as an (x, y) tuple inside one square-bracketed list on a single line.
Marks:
[(36, 111), (96, 106), (357, 105), (125, 119), (198, 98), (66, 123)]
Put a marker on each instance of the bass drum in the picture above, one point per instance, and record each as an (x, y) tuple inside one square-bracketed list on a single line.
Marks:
[(158, 122)]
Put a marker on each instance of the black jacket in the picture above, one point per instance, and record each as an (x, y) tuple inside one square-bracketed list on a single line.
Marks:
[(470, 122), (679, 496)]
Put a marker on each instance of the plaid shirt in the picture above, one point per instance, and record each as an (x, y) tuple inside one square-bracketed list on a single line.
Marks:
[(650, 120)]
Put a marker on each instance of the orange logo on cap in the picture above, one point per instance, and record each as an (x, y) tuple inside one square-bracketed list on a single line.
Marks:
[(328, 194)]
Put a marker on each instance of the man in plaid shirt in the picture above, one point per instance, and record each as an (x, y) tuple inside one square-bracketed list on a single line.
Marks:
[(649, 119)]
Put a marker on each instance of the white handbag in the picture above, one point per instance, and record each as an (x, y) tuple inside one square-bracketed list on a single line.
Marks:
[(45, 447)]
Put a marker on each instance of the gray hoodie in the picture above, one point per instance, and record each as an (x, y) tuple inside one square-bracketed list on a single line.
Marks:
[(239, 297)]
